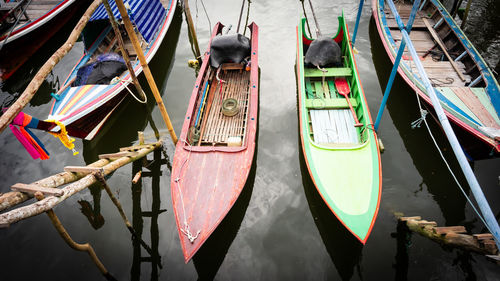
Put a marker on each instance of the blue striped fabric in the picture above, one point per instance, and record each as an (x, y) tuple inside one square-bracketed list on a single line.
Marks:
[(147, 15)]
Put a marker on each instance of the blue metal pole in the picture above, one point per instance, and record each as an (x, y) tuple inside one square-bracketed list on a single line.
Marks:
[(358, 17), (401, 49), (389, 84), (489, 217)]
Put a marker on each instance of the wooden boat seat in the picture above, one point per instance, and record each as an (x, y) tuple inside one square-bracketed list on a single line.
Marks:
[(333, 126), (332, 71), (338, 103)]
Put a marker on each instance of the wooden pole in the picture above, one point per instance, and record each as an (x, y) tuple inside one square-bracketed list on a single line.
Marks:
[(44, 71), (51, 201), (67, 238), (123, 50), (192, 32), (145, 67), (466, 14), (443, 47)]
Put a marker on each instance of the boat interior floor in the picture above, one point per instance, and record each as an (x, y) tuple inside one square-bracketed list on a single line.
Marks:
[(331, 120), (217, 129)]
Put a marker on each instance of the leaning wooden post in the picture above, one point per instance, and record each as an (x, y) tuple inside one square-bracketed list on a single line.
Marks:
[(122, 49), (65, 236), (187, 12), (466, 14), (44, 71), (144, 64)]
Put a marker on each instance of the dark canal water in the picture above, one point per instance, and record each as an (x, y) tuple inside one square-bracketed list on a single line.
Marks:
[(279, 229)]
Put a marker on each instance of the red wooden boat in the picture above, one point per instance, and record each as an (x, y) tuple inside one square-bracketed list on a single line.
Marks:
[(216, 146), (39, 22)]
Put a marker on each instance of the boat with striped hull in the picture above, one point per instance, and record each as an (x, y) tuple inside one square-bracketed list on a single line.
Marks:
[(84, 107), (465, 86)]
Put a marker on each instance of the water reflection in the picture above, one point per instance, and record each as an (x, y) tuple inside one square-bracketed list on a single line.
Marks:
[(152, 255), (93, 213), (403, 108), (344, 249)]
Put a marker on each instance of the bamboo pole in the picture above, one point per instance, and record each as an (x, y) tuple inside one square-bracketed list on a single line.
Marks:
[(44, 71), (9, 199), (144, 64), (192, 32), (67, 238), (123, 50), (50, 202), (466, 14)]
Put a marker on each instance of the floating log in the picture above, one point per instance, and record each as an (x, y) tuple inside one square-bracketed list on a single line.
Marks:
[(44, 71), (452, 235), (50, 202)]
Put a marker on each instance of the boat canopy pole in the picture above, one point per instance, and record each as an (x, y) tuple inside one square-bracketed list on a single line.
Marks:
[(489, 218), (145, 67), (358, 17)]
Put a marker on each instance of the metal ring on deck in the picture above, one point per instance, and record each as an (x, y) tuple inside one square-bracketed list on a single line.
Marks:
[(230, 107)]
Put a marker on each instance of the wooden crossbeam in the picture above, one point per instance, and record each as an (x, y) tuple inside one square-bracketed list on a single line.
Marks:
[(31, 189), (80, 169), (118, 155), (445, 229), (483, 236), (135, 147)]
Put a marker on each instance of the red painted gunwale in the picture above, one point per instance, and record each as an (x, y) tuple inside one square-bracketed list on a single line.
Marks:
[(207, 181)]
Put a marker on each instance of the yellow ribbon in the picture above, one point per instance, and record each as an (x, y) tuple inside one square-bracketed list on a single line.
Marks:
[(63, 136)]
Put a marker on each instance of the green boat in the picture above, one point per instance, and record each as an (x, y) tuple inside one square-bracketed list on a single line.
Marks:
[(338, 141)]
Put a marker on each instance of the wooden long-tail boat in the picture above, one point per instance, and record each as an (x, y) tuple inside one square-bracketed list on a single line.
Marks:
[(25, 25), (468, 91), (341, 153), (216, 147), (83, 106)]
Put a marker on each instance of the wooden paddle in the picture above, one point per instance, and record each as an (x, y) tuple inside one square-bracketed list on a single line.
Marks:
[(343, 89)]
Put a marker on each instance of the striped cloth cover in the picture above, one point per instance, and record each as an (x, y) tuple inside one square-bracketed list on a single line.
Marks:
[(147, 15)]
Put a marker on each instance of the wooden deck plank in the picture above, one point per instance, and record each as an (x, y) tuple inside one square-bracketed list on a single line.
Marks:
[(449, 94), (485, 100), (475, 105)]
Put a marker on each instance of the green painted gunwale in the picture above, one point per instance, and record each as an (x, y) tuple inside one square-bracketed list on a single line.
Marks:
[(348, 177)]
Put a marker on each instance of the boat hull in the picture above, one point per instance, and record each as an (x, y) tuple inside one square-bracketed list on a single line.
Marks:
[(347, 176), (27, 39), (207, 180), (463, 112)]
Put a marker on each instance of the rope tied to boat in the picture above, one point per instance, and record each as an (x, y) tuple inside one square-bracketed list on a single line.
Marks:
[(63, 136), (125, 84), (186, 230), (417, 123)]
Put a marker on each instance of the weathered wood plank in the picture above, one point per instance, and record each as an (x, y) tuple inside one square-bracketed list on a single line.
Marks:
[(118, 155), (446, 229), (82, 169), (474, 104), (32, 188)]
